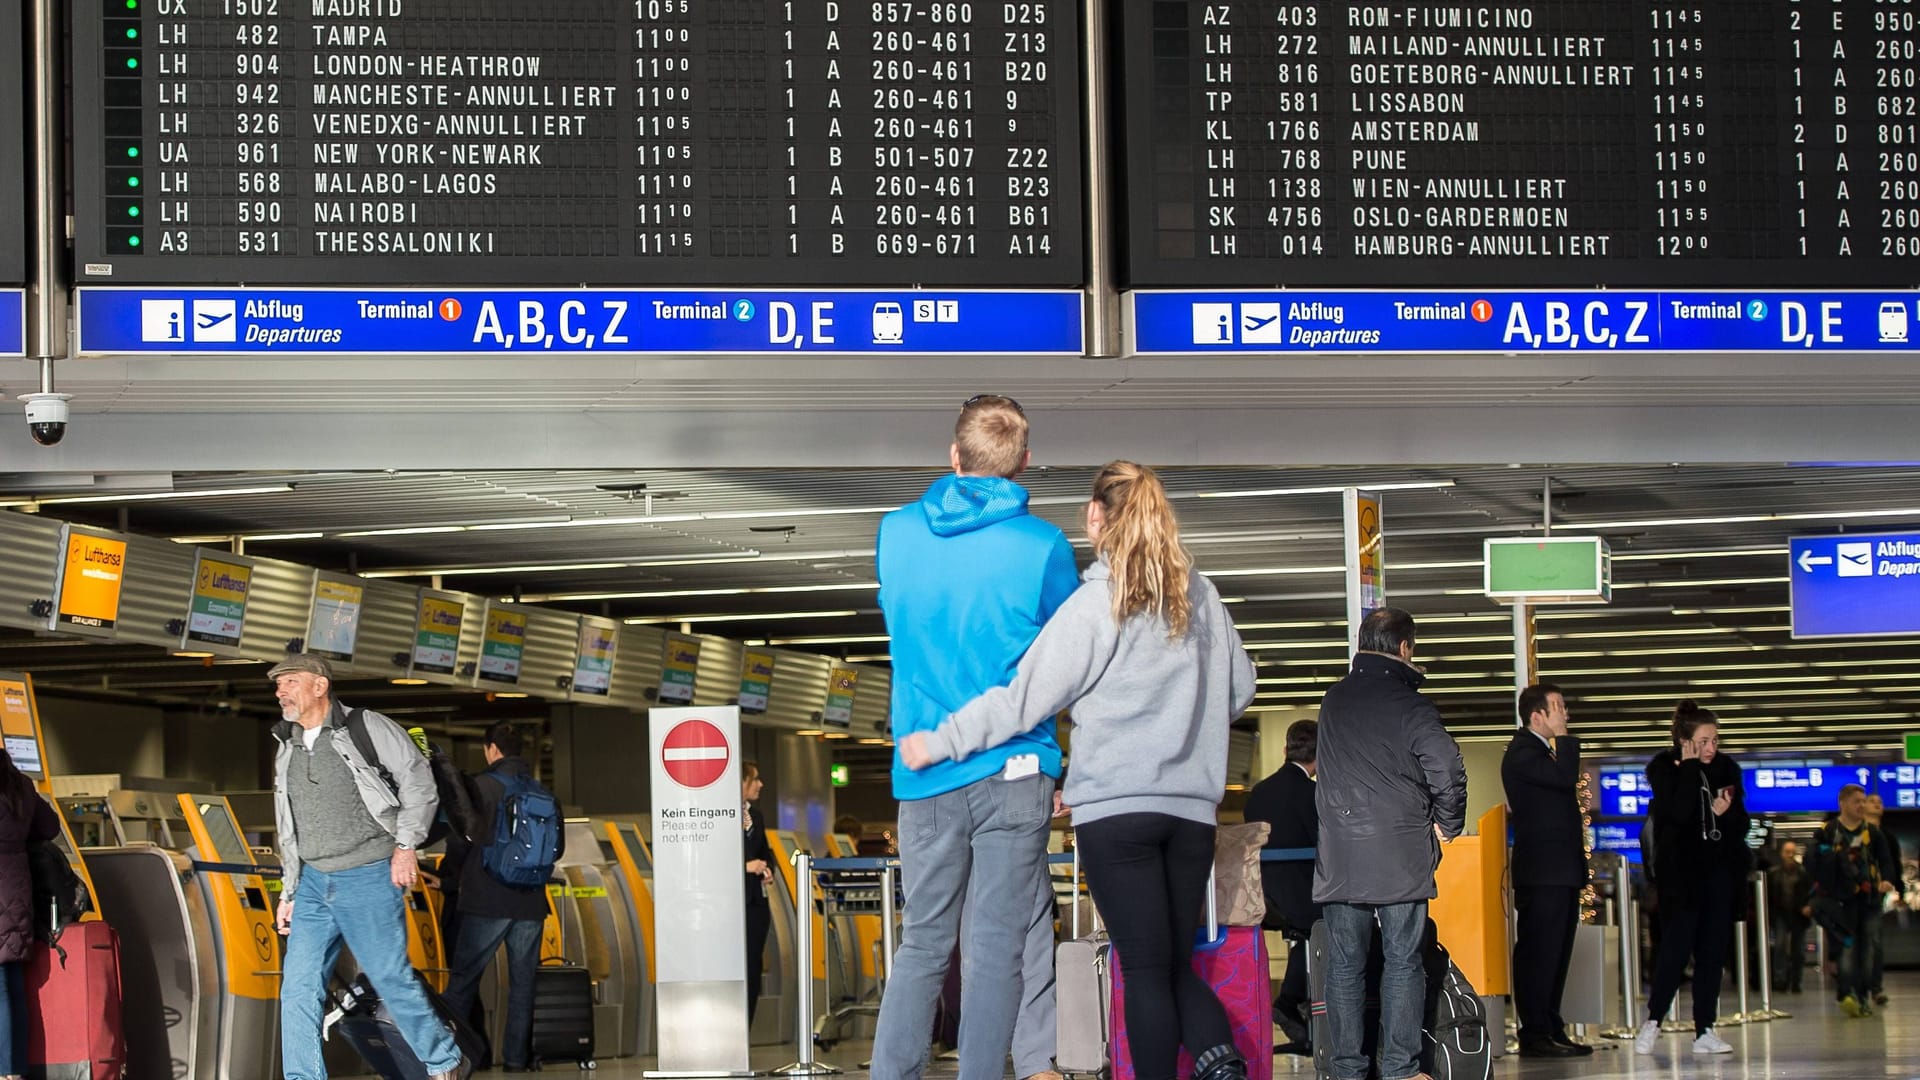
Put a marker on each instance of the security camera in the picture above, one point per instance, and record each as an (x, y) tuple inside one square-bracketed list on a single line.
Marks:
[(47, 417)]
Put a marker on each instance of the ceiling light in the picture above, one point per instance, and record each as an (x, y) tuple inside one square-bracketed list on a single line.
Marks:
[(869, 658), (1274, 571), (461, 571), (809, 731), (1420, 485), (190, 654), (408, 682), (873, 742), (1704, 583), (253, 537), (1732, 553), (410, 530), (152, 496), (505, 695), (668, 594), (750, 616), (1743, 519), (836, 735), (858, 639)]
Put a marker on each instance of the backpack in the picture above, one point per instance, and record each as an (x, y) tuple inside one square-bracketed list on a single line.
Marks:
[(363, 742), (1455, 1037), (526, 833), (59, 896)]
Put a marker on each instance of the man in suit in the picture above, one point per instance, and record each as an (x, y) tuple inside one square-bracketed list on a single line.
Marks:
[(1541, 773), (1285, 802)]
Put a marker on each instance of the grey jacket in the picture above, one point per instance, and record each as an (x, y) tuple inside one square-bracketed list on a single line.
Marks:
[(1150, 715), (406, 816), (1388, 773)]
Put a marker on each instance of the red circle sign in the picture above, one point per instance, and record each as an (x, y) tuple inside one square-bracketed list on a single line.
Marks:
[(695, 753)]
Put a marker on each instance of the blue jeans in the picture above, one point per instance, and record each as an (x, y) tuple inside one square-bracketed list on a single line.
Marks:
[(363, 907), (479, 936), (13, 1033), (1403, 986), (981, 849)]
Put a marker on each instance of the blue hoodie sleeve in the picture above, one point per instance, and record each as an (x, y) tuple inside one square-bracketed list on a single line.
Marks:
[(1059, 580)]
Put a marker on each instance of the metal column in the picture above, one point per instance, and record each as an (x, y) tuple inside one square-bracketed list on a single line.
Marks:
[(1103, 287), (804, 1064)]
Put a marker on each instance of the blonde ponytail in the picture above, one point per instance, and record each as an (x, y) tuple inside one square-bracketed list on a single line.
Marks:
[(1140, 539)]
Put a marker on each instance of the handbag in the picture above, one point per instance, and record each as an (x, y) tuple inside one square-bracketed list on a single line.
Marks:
[(1239, 895), (59, 896)]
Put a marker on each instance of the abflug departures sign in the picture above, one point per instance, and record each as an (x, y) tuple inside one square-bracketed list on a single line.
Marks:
[(834, 142), (1674, 143), (13, 152)]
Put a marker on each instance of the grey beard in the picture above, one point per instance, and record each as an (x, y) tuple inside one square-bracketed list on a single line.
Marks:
[(290, 714)]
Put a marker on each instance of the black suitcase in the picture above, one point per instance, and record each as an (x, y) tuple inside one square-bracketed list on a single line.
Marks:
[(562, 1016), (363, 1020)]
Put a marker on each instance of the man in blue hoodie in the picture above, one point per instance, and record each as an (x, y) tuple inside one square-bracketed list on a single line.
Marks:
[(967, 579)]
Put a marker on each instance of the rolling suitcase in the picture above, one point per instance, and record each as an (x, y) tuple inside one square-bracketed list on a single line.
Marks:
[(1233, 961), (1083, 994), (562, 1015), (74, 1027), (363, 1021)]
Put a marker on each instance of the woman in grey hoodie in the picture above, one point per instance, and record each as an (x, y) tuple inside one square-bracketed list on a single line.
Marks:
[(1154, 672)]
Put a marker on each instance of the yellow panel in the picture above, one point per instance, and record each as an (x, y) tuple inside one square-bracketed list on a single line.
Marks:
[(553, 945), (1470, 911), (778, 841), (424, 946), (637, 887), (243, 912)]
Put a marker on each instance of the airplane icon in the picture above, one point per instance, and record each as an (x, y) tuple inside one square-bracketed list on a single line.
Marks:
[(1254, 322), (208, 322)]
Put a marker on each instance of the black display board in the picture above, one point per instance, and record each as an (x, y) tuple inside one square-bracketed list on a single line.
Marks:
[(1563, 142), (13, 144), (847, 142)]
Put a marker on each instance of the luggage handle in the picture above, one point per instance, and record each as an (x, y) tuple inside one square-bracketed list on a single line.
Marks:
[(1076, 893)]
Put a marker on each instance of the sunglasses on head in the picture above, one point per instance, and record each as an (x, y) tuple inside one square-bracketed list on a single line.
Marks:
[(978, 398)]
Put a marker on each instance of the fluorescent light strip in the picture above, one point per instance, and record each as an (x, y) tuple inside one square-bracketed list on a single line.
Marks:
[(1742, 519), (1422, 485), (1730, 553), (542, 568), (856, 639), (669, 594), (152, 496), (655, 620), (1275, 571)]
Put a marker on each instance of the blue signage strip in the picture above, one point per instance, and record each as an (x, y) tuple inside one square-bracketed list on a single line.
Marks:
[(1800, 788), (1898, 786), (262, 322), (13, 322), (1854, 585), (1286, 321)]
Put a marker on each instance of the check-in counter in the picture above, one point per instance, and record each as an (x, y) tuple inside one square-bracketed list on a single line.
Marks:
[(601, 933), (630, 855), (246, 947), (1470, 910)]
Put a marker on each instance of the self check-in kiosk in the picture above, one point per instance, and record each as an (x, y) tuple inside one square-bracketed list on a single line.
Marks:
[(247, 946), (606, 939), (628, 853)]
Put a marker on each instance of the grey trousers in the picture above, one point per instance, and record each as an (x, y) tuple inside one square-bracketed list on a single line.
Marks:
[(968, 850)]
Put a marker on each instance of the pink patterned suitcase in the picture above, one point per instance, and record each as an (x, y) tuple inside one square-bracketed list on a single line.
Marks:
[(1234, 963)]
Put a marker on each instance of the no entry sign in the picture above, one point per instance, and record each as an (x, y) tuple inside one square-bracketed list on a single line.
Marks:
[(695, 753)]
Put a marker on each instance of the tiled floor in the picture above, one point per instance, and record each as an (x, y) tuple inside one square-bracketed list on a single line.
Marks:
[(1818, 1043)]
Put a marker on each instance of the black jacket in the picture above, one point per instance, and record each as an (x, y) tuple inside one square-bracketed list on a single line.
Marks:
[(25, 820), (1789, 888), (481, 894), (1686, 851), (1543, 795), (754, 846), (1389, 773), (1285, 802)]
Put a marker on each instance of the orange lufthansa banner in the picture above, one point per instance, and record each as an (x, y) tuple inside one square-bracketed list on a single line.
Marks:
[(90, 577)]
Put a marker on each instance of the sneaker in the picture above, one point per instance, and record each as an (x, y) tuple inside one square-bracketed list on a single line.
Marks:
[(1852, 1007), (1709, 1043), (1879, 998), (1648, 1038)]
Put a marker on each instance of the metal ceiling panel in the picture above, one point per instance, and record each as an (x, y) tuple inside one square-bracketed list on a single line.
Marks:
[(30, 548), (156, 587), (279, 605)]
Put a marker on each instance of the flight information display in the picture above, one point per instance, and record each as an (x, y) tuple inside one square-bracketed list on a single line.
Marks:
[(1578, 142), (824, 142), (13, 146)]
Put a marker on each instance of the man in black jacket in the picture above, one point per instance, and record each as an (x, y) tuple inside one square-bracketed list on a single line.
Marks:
[(1541, 773), (1285, 802), (492, 912), (1392, 786)]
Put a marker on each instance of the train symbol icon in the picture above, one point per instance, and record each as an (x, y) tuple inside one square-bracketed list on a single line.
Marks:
[(1893, 323), (889, 324)]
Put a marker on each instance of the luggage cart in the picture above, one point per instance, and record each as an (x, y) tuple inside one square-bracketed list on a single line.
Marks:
[(850, 888)]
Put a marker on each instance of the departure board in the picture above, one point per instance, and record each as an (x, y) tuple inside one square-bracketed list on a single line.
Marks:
[(1566, 142), (13, 145), (838, 142)]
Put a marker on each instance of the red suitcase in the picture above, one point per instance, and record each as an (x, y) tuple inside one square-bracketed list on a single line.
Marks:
[(1234, 963), (74, 1030)]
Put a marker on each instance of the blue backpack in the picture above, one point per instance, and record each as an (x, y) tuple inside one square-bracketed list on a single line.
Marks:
[(526, 834)]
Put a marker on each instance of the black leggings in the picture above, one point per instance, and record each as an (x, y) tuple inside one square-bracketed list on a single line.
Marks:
[(1148, 873), (1700, 928), (759, 921)]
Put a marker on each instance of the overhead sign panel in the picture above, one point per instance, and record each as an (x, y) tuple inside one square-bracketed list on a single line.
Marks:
[(13, 322), (87, 586), (1746, 142), (1854, 585), (1372, 321), (333, 621), (13, 154), (1548, 569), (494, 141), (438, 322), (217, 611)]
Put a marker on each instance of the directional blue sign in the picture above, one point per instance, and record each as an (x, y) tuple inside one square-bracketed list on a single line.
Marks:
[(13, 322), (439, 322), (1373, 321), (1800, 789), (1854, 585), (1898, 786), (1616, 836), (1624, 791)]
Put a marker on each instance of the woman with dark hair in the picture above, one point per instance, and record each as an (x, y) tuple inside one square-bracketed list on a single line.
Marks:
[(1145, 654), (1699, 823), (759, 855), (25, 820)]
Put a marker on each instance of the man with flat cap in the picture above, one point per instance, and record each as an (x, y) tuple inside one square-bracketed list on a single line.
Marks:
[(352, 799)]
